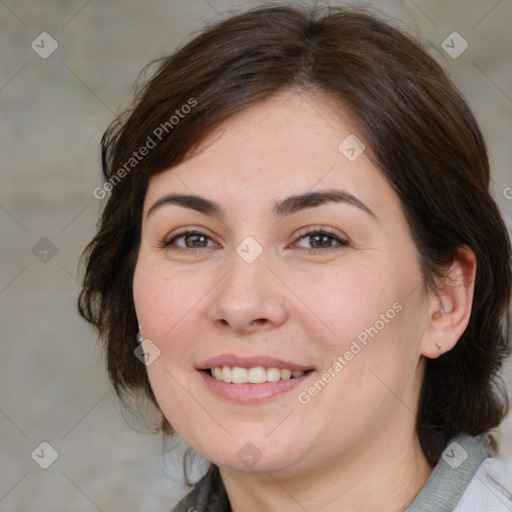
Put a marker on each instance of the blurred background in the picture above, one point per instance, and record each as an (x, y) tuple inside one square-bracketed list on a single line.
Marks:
[(66, 70)]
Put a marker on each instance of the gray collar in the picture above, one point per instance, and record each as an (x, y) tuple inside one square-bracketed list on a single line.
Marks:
[(451, 476)]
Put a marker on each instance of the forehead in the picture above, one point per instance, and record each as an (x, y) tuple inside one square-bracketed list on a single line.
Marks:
[(289, 144)]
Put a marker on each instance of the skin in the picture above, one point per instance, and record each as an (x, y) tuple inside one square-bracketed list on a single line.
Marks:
[(304, 299)]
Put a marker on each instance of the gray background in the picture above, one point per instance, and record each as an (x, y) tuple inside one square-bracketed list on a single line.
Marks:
[(53, 385)]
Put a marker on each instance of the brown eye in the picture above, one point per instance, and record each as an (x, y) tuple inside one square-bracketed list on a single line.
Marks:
[(188, 240), (195, 240), (322, 240)]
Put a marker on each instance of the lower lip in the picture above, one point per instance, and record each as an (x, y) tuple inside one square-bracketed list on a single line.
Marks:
[(246, 393)]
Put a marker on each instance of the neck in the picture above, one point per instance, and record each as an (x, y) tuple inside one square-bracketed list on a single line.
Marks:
[(380, 477)]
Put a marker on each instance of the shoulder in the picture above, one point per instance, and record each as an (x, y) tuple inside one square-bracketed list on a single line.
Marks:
[(466, 479), (490, 488)]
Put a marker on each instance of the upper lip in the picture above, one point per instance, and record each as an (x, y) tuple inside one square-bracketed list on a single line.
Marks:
[(251, 362)]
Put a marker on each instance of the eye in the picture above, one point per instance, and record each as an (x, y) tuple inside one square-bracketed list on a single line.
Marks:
[(318, 239), (188, 240), (321, 239)]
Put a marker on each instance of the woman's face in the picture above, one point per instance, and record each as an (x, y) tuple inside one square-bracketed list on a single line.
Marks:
[(252, 286)]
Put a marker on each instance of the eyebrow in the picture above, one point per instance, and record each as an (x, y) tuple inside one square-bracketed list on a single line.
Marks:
[(282, 208)]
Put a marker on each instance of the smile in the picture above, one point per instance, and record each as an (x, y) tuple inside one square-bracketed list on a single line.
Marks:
[(256, 375), (251, 378)]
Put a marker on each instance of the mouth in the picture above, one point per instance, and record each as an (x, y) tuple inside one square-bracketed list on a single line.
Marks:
[(255, 375), (249, 380)]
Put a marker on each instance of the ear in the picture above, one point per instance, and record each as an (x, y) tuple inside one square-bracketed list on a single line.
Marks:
[(449, 308)]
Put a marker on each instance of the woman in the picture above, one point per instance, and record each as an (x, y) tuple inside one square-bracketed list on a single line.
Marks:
[(301, 265)]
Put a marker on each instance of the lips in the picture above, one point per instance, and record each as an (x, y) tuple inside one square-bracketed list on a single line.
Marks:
[(251, 379)]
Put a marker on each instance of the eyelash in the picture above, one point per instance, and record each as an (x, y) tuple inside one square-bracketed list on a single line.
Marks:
[(166, 244)]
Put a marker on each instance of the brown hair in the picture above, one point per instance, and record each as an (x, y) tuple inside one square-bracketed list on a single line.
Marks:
[(418, 129)]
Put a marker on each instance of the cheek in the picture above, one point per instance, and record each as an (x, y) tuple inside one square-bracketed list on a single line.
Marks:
[(162, 300), (346, 303), (366, 320), (165, 310)]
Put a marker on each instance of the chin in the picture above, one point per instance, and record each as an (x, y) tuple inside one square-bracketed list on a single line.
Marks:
[(252, 457)]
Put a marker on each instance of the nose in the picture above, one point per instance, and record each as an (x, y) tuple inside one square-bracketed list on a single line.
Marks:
[(249, 298)]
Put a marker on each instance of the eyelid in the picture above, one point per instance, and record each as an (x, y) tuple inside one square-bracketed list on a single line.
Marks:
[(319, 229)]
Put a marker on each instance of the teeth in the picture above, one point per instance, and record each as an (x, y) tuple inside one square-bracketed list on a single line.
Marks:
[(239, 375), (287, 374), (257, 375), (273, 374), (226, 374)]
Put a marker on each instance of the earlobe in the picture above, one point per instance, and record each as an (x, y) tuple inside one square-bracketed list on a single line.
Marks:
[(450, 307)]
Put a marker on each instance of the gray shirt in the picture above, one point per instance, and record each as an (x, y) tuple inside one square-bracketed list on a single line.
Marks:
[(442, 492)]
